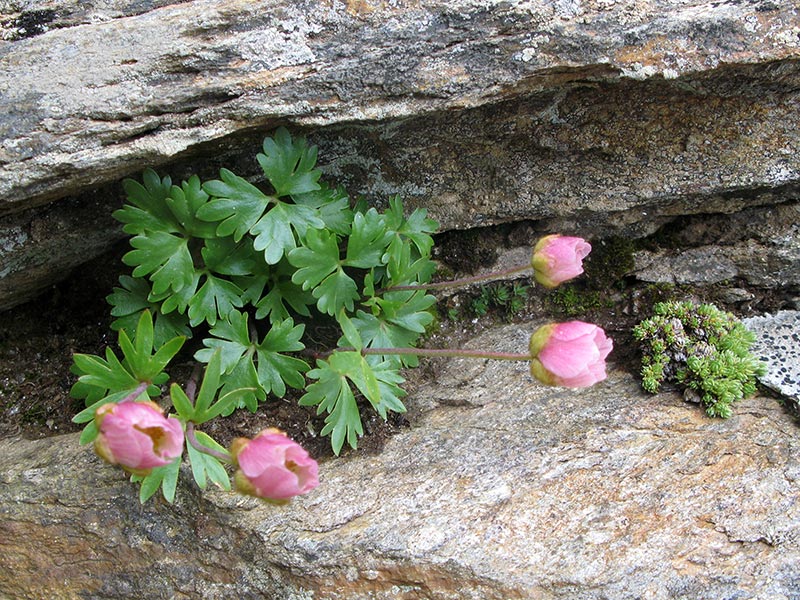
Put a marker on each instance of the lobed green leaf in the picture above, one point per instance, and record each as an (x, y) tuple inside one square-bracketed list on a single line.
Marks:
[(289, 164)]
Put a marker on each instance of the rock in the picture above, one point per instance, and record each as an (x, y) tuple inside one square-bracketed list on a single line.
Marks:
[(501, 489), (597, 116), (777, 343), (759, 246)]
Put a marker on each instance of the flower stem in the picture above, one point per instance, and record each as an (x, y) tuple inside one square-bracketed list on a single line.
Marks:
[(195, 443), (191, 385), (440, 285), (142, 387), (447, 352)]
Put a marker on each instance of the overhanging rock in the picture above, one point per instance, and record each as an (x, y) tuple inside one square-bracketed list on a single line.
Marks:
[(612, 115)]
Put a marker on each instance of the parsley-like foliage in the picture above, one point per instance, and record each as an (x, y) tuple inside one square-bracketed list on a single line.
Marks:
[(244, 266)]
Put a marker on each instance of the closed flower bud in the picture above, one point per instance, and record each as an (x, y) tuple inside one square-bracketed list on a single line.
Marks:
[(273, 467), (558, 258), (137, 436), (569, 354)]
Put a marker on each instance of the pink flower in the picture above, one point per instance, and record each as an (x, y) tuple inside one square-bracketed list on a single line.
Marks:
[(273, 467), (137, 436), (557, 258), (569, 354)]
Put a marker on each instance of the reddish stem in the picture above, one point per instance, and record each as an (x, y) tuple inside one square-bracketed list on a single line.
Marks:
[(195, 443), (440, 285)]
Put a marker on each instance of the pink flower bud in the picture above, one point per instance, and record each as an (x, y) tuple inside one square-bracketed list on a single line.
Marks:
[(557, 258), (569, 354), (137, 436), (273, 467)]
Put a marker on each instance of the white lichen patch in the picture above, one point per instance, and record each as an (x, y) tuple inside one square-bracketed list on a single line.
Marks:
[(778, 345)]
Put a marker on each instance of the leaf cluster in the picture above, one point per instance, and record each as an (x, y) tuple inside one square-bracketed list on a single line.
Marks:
[(242, 266), (702, 349), (507, 298), (138, 376)]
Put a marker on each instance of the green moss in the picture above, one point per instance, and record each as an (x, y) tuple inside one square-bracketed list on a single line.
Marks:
[(702, 349), (572, 301), (610, 261)]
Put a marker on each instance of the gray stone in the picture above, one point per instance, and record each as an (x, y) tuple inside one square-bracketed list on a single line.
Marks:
[(778, 345), (501, 489), (601, 116), (758, 246)]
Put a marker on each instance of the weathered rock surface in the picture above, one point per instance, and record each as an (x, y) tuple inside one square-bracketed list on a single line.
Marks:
[(502, 489), (598, 115), (758, 246)]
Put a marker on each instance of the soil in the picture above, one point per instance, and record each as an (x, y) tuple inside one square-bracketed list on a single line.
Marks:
[(38, 339)]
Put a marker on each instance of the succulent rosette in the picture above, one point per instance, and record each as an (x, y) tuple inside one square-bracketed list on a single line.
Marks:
[(569, 354), (137, 436), (273, 467), (558, 258)]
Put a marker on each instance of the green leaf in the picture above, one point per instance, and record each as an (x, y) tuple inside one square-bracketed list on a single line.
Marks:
[(241, 390), (165, 477), (417, 228), (284, 294), (89, 433), (376, 380), (350, 331), (319, 269), (163, 256), (111, 380), (204, 466), (108, 374), (252, 286), (274, 231), (183, 406), (408, 253), (332, 205), (209, 387), (235, 349), (237, 204), (184, 202), (275, 369), (336, 291), (214, 300), (389, 378), (316, 260), (131, 300), (332, 394), (232, 337), (226, 257), (177, 301), (368, 240), (289, 164), (408, 309), (147, 209), (162, 357), (240, 356), (399, 320), (401, 266)]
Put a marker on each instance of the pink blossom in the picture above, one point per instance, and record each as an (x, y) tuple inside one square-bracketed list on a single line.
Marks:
[(273, 467), (557, 258), (137, 436), (569, 354)]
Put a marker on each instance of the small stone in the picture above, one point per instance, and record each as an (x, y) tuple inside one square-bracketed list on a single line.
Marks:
[(778, 345)]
